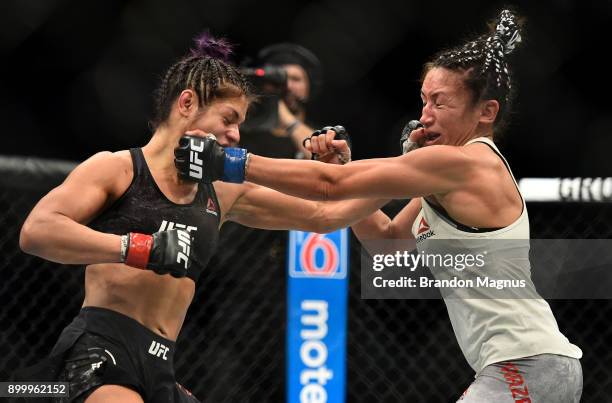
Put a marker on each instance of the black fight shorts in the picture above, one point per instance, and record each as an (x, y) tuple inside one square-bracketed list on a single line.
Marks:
[(104, 347)]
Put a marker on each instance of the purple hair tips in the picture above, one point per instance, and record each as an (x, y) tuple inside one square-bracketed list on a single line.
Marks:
[(208, 45)]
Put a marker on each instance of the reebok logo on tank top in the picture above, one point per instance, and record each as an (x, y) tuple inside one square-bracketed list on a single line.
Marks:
[(210, 207), (423, 226), (424, 231)]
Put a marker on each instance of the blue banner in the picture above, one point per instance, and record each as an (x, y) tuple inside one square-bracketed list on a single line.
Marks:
[(317, 315)]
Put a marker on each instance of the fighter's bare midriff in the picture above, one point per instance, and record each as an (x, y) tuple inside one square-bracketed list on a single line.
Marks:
[(158, 302)]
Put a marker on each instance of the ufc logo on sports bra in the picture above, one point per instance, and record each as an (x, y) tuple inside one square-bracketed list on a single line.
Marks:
[(195, 166), (168, 225), (158, 350)]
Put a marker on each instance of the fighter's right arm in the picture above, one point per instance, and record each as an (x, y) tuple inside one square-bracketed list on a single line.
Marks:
[(379, 226), (56, 228)]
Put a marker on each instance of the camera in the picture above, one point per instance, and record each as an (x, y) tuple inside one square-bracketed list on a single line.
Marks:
[(267, 79), (270, 82)]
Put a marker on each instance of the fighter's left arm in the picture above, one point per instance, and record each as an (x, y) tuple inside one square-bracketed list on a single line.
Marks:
[(426, 171)]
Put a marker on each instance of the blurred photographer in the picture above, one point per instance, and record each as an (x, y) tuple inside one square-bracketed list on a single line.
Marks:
[(286, 77)]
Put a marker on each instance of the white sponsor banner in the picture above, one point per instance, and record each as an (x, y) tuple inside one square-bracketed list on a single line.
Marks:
[(566, 189)]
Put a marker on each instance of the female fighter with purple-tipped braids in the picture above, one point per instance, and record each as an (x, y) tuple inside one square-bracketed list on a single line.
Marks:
[(146, 235), (461, 189)]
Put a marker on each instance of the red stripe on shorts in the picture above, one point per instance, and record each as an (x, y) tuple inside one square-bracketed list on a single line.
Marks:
[(516, 382)]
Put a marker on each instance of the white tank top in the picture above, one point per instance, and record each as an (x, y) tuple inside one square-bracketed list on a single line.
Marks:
[(490, 329)]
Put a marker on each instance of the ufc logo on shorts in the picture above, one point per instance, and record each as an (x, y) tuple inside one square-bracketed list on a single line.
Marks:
[(158, 350), (185, 244), (195, 166)]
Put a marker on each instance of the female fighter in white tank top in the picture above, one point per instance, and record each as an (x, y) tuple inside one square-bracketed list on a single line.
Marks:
[(509, 335), (489, 329)]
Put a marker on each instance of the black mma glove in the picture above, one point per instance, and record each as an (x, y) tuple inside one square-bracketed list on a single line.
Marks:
[(341, 134), (163, 252), (202, 159), (405, 142)]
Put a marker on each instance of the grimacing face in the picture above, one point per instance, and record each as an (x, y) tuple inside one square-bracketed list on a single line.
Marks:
[(222, 118), (449, 115)]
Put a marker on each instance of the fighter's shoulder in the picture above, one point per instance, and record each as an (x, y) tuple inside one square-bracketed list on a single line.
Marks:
[(108, 161), (443, 157), (483, 155), (105, 167)]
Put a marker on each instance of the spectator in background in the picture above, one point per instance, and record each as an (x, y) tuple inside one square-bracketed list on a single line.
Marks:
[(282, 138)]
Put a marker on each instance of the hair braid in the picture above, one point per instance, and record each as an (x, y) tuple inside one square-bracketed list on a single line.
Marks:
[(485, 63), (207, 71)]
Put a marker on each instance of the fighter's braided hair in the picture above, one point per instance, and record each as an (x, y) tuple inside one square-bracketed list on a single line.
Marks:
[(485, 63), (206, 70)]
